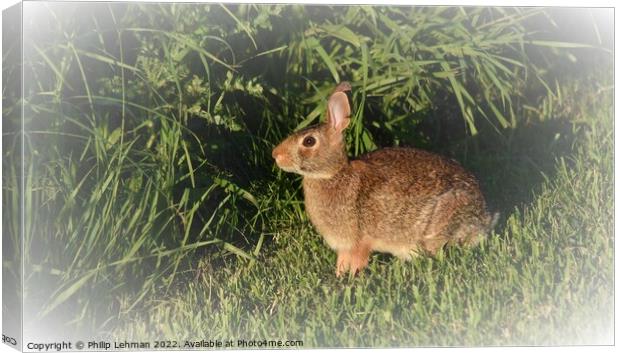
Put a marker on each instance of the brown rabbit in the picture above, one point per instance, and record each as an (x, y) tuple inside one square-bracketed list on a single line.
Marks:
[(403, 201)]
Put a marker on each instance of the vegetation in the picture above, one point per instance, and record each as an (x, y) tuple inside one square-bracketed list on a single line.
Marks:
[(153, 206)]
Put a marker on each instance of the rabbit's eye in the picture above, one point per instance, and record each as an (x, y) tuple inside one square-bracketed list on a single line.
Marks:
[(309, 141)]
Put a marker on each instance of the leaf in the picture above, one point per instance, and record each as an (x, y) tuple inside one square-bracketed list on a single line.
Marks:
[(444, 74), (314, 44), (556, 44), (188, 159), (71, 290), (235, 189), (311, 117), (187, 41), (342, 32), (50, 63), (114, 137), (235, 250), (243, 26)]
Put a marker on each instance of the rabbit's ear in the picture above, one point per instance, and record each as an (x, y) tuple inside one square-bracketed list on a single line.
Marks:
[(338, 111), (342, 87)]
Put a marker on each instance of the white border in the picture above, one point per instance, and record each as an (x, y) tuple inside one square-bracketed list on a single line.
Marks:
[(556, 3)]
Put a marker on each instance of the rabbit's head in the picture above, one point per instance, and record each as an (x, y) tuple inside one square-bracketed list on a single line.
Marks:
[(318, 151)]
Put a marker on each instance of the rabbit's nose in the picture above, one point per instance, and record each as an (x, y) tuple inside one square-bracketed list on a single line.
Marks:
[(279, 154), (279, 158), (276, 154)]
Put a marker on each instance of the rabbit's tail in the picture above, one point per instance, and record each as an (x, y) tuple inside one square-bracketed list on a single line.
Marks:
[(492, 222), (472, 233)]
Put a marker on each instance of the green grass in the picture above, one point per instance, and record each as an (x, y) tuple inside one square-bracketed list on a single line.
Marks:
[(153, 205), (544, 278)]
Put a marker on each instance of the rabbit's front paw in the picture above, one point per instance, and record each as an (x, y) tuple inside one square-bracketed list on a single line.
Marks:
[(354, 260), (343, 262)]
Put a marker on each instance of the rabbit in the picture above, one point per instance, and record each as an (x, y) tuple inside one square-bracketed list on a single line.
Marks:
[(402, 201)]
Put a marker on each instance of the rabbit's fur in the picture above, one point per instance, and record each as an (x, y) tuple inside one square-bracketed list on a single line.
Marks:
[(402, 201)]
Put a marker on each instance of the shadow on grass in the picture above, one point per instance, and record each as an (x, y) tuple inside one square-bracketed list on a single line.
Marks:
[(511, 164)]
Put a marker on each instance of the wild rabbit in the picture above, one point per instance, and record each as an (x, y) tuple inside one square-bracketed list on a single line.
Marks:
[(402, 201)]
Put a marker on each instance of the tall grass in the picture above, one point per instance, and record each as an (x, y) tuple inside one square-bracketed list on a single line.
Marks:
[(149, 126)]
